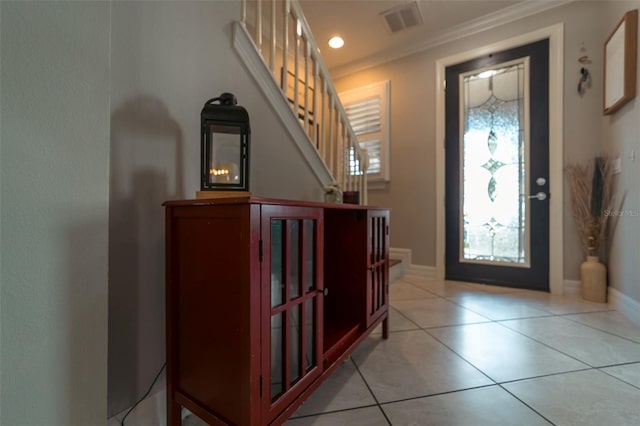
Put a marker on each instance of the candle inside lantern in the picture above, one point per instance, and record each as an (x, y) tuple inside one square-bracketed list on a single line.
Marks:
[(227, 172)]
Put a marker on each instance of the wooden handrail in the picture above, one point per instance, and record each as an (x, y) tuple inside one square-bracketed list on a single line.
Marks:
[(295, 60)]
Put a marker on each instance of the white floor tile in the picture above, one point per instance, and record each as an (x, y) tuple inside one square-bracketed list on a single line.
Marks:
[(585, 398), (629, 373), (612, 322), (489, 406), (407, 291), (495, 289), (503, 354), (397, 322), (443, 288), (498, 306), (344, 389), (370, 416), (413, 364), (593, 347), (558, 305), (436, 312)]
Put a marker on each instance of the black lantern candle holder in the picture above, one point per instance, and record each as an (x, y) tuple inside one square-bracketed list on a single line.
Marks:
[(224, 155)]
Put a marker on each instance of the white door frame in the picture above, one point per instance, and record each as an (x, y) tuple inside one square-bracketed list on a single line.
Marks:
[(555, 34)]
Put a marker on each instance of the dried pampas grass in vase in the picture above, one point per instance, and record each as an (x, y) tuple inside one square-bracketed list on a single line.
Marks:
[(592, 194)]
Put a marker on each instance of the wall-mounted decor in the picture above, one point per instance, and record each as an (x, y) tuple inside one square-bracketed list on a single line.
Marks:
[(620, 55), (584, 82)]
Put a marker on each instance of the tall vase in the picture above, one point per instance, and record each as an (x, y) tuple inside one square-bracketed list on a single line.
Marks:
[(593, 275)]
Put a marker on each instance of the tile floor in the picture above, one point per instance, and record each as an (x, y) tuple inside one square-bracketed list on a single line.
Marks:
[(470, 354)]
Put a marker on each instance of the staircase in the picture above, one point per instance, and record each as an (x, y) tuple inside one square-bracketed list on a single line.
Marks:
[(275, 42)]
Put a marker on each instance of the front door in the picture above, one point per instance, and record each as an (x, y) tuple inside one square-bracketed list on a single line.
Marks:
[(497, 168)]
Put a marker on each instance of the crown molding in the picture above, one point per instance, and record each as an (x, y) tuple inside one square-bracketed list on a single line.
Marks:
[(457, 32)]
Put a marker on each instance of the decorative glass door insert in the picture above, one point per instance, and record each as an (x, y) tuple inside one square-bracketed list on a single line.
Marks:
[(377, 265), (494, 156), (293, 294), (292, 302)]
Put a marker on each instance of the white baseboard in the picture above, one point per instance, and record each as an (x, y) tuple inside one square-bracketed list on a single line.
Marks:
[(404, 255), (409, 268), (624, 304), (572, 288), (422, 271)]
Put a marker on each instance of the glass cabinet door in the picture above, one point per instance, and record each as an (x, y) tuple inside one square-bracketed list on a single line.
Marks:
[(377, 265), (292, 302)]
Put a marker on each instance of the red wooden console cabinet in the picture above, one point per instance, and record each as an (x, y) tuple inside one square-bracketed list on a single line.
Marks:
[(265, 298)]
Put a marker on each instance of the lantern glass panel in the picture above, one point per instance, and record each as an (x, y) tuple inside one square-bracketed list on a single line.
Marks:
[(225, 154)]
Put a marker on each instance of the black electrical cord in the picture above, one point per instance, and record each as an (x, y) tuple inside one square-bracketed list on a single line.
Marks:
[(145, 395)]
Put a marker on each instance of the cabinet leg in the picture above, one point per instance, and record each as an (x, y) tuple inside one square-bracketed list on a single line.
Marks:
[(385, 328), (174, 412)]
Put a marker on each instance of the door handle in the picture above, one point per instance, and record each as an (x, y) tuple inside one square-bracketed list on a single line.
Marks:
[(324, 291), (539, 196)]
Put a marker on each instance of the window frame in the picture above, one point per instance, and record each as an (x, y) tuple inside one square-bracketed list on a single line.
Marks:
[(382, 90)]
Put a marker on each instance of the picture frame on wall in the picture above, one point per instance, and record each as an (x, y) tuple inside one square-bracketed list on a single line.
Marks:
[(620, 57)]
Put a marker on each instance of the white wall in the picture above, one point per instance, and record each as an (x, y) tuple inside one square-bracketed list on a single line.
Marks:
[(168, 58), (411, 194), (54, 203), (620, 137)]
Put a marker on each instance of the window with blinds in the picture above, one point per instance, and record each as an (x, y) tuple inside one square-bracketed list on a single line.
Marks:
[(368, 113)]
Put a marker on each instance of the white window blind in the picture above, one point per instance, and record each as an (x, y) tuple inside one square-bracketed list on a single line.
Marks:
[(367, 110), (365, 116)]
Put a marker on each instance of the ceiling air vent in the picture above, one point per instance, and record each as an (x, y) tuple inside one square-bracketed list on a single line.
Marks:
[(401, 17)]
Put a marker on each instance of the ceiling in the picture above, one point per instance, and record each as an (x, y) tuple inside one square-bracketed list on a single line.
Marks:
[(367, 38)]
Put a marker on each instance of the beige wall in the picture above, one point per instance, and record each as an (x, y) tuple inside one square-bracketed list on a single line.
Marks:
[(621, 137), (411, 194)]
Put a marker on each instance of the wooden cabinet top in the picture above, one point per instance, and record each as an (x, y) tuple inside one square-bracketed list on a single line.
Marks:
[(267, 201)]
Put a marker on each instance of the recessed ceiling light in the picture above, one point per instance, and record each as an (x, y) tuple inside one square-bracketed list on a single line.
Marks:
[(336, 42)]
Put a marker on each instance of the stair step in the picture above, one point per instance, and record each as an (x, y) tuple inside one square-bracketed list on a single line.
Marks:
[(395, 270)]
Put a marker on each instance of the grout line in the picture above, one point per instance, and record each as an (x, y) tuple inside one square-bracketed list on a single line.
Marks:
[(413, 398), (554, 348), (461, 357), (596, 328), (405, 317), (353, 361), (542, 376), (601, 369), (342, 410), (526, 405)]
